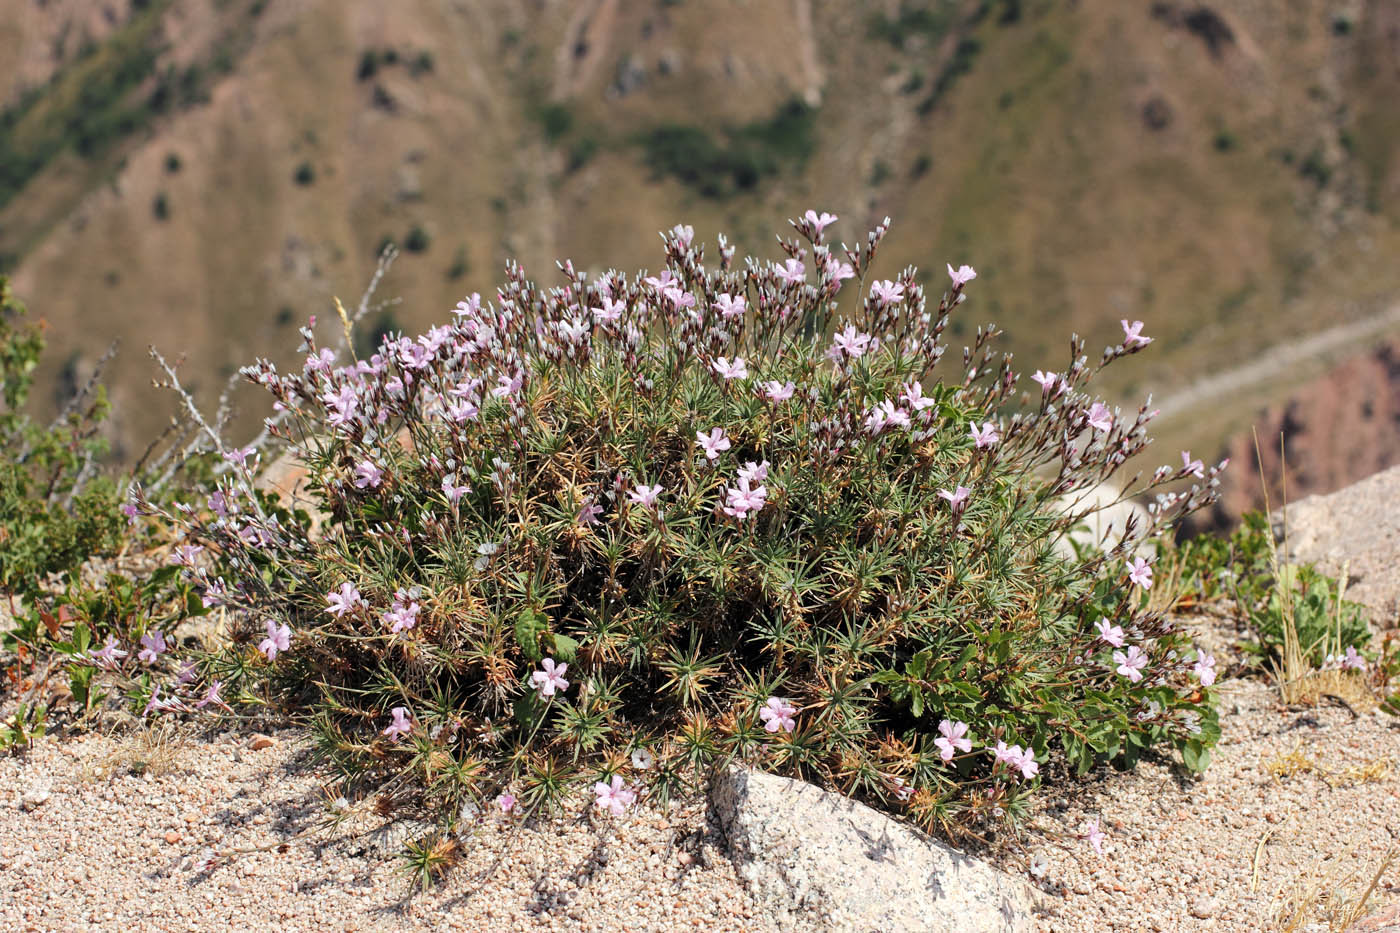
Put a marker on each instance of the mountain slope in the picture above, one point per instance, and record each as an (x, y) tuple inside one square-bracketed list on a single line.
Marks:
[(1227, 174)]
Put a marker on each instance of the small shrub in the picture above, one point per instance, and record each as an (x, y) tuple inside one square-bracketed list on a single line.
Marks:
[(1225, 141), (556, 120), (305, 174), (369, 65), (624, 530), (160, 207), (459, 268), (751, 153), (172, 164), (422, 64)]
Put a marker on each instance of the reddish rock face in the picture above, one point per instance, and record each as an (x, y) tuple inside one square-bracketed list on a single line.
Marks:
[(1337, 430)]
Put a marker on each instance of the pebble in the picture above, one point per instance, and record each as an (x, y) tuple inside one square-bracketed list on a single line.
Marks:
[(36, 796), (260, 742), (1203, 908)]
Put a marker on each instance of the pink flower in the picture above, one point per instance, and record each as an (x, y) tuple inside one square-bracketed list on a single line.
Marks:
[(507, 386), (754, 472), (1132, 334), (470, 307), (1141, 573), (1130, 665), (818, 222), (714, 443), (588, 514), (837, 271), (212, 696), (777, 714), (278, 639), (402, 724), (402, 617), (451, 490), (902, 790), (1017, 758), (1204, 668), (506, 802), (643, 759), (679, 297), (792, 272), (109, 656), (1027, 763), (1353, 660), (914, 395), (887, 292), (189, 673), (610, 311), (850, 343), (745, 498), (1008, 754), (1112, 634), (735, 370), (238, 457), (346, 599), (152, 647), (729, 306), (683, 233), (614, 797), (986, 437), (1194, 467), (185, 555), (886, 415), (778, 391), (953, 737), (961, 276), (1094, 835), (646, 496), (367, 475), (955, 499), (1046, 380), (1100, 418), (550, 678), (130, 511)]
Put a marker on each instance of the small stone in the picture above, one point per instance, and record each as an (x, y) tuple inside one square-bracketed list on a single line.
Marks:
[(685, 858), (260, 742), (172, 837), (1203, 908), (36, 796)]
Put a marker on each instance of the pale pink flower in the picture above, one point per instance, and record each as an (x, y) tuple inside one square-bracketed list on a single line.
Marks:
[(238, 456), (645, 495), (1353, 659), (735, 370), (902, 790), (886, 415), (1100, 418), (212, 696), (346, 599), (986, 436), (887, 292), (615, 797), (962, 275), (1141, 573), (451, 490), (1027, 763), (914, 395), (850, 343), (713, 443), (1130, 665), (1194, 467), (1132, 334), (754, 472), (109, 655), (402, 724), (278, 639), (955, 499), (777, 714), (185, 554), (1110, 633), (189, 673), (1047, 381), (643, 759), (152, 647), (588, 514), (130, 511), (470, 307), (744, 498), (1094, 835), (729, 305), (1008, 754), (367, 475), (402, 617), (1204, 668), (837, 271), (610, 310), (679, 297), (778, 391), (550, 678), (954, 736), (792, 272), (506, 802), (819, 222), (683, 233)]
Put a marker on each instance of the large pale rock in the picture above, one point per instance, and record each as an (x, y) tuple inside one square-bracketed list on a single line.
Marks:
[(1109, 517), (818, 860), (1356, 530)]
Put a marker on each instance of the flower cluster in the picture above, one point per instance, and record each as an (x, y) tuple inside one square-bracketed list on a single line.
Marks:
[(617, 530)]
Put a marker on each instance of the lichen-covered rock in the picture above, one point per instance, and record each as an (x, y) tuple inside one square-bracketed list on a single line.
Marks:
[(820, 860)]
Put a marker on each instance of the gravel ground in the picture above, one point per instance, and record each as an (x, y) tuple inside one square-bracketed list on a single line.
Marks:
[(120, 852), (1180, 851)]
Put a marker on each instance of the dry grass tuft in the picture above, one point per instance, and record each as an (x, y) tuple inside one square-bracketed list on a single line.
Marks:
[(1295, 762), (1336, 896), (152, 749)]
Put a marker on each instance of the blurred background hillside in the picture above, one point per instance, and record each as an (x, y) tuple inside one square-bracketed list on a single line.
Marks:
[(205, 174)]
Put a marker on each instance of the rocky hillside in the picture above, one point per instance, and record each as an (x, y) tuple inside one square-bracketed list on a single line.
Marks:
[(206, 174)]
